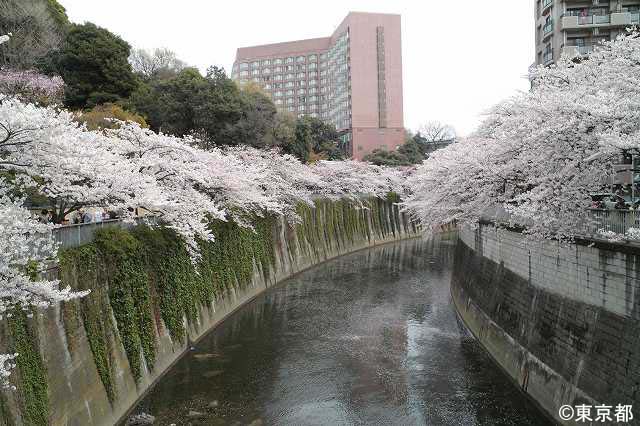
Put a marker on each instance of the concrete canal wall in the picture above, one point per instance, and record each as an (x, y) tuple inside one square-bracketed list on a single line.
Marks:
[(562, 320), (93, 357)]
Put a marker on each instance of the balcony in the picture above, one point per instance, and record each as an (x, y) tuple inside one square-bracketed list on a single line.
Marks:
[(547, 58), (546, 5), (572, 21), (577, 51), (547, 29)]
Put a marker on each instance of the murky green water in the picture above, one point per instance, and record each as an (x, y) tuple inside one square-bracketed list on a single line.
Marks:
[(367, 339)]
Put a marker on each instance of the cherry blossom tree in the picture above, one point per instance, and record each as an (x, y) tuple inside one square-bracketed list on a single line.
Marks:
[(45, 151), (31, 86), (541, 154)]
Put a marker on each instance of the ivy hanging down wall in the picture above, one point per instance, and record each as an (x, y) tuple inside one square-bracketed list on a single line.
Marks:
[(149, 301)]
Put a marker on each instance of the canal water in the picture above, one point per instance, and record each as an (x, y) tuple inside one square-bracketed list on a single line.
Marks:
[(371, 338)]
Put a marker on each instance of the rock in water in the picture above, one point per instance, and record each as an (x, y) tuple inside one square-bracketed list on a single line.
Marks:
[(140, 420)]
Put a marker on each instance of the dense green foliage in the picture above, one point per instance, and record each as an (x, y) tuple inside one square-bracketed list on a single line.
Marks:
[(314, 139), (33, 397), (415, 150), (93, 63), (189, 103)]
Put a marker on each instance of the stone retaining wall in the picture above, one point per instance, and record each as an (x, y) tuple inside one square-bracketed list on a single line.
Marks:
[(561, 320)]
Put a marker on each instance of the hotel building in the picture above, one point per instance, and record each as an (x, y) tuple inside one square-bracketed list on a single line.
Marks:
[(574, 27), (352, 79)]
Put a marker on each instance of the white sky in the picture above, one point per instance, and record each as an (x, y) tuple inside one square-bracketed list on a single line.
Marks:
[(459, 58)]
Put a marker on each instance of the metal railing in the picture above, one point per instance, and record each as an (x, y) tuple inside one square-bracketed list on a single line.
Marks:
[(586, 49), (548, 28), (635, 18), (582, 49), (594, 19), (546, 3), (618, 221), (547, 57), (69, 236)]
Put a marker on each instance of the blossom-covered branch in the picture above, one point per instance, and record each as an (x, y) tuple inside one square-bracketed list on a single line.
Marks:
[(541, 154)]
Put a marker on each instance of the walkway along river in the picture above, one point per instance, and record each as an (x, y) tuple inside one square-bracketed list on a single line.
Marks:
[(370, 338)]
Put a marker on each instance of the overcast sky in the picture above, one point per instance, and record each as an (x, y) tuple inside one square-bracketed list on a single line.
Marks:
[(458, 59)]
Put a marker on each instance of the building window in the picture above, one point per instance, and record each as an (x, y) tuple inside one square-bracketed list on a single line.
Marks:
[(301, 75), (289, 92), (289, 84), (289, 60), (278, 102), (267, 87), (301, 67), (301, 83), (255, 72), (289, 68), (313, 58), (277, 94), (277, 77), (313, 66), (313, 82), (301, 92), (244, 73), (289, 101), (255, 64), (266, 62), (278, 61), (291, 108), (244, 66), (300, 59), (277, 69), (266, 71)]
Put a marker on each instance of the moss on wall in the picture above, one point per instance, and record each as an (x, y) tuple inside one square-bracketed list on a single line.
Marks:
[(32, 389)]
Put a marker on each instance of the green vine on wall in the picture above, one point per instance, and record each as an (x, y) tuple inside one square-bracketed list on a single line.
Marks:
[(124, 269), (33, 398)]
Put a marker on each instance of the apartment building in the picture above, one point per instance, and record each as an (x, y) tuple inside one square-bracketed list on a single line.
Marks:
[(575, 27), (352, 79)]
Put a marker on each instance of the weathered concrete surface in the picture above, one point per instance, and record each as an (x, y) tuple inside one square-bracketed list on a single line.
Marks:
[(562, 321), (76, 394)]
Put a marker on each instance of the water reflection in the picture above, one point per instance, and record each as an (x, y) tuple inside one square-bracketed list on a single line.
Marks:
[(371, 338)]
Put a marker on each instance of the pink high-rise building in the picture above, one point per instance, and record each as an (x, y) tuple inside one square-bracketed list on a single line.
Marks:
[(352, 79)]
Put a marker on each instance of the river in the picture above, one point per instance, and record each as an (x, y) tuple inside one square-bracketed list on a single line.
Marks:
[(370, 338)]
